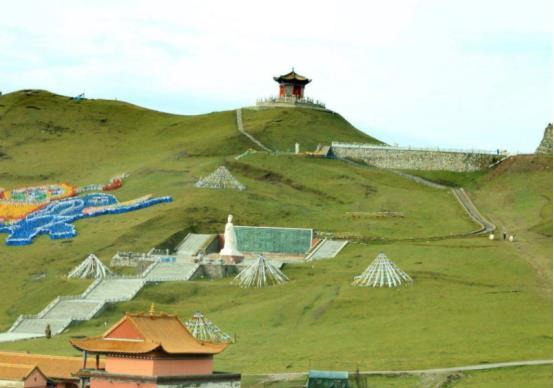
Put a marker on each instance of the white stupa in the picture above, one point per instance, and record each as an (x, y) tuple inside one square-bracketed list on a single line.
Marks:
[(90, 268), (221, 178), (382, 272), (230, 252), (204, 330), (259, 274)]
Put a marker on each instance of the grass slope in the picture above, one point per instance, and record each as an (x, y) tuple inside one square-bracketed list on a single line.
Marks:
[(282, 128), (472, 301)]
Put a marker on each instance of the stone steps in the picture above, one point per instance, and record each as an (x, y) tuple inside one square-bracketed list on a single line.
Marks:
[(116, 289), (76, 309), (38, 325), (328, 249), (11, 336), (164, 272), (62, 311), (193, 243)]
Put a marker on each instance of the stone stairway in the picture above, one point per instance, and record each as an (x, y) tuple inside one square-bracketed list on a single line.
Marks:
[(327, 249), (65, 309), (166, 272), (193, 243), (76, 309), (36, 326), (115, 289)]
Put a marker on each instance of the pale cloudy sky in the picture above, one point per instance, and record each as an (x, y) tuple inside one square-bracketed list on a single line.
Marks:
[(449, 73)]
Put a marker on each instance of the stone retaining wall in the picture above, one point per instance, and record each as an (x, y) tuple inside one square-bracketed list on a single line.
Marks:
[(416, 159), (215, 271)]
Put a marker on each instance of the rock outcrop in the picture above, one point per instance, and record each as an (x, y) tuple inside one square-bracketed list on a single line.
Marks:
[(545, 148)]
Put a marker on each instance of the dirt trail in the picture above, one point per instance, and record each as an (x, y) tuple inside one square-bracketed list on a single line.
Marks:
[(240, 126)]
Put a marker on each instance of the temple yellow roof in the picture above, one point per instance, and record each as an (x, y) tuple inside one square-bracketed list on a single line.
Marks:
[(16, 372), (145, 333), (54, 367)]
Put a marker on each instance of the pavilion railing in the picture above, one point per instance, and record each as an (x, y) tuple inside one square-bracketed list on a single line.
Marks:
[(290, 100)]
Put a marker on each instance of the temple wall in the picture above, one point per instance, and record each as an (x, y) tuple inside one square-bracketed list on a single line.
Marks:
[(159, 367), (192, 366), (415, 159), (129, 366), (35, 380)]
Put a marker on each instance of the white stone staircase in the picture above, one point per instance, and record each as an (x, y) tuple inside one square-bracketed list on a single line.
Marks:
[(327, 249), (115, 289), (76, 309), (65, 309), (166, 272), (193, 243), (36, 326)]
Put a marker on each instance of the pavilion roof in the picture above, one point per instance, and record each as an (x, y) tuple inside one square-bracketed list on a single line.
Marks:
[(145, 333), (293, 77)]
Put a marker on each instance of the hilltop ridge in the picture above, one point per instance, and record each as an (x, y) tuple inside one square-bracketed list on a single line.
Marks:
[(37, 116)]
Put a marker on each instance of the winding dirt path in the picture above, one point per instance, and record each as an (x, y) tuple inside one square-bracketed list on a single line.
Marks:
[(470, 208), (240, 126)]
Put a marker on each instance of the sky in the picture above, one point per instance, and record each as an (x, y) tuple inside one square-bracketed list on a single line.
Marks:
[(471, 74)]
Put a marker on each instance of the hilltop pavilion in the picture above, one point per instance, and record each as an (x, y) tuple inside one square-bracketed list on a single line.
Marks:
[(292, 84), (291, 93)]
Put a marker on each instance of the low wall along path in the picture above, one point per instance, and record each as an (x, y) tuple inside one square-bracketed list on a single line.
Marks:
[(416, 158)]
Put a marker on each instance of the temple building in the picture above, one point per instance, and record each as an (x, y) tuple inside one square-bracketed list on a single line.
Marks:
[(291, 93), (21, 376), (153, 350), (292, 84)]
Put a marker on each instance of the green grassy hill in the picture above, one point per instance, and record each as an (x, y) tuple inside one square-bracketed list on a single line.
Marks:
[(283, 127), (473, 300)]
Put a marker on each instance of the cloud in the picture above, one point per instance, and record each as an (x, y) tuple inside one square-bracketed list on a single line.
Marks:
[(454, 73)]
